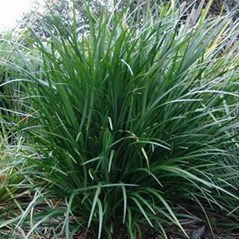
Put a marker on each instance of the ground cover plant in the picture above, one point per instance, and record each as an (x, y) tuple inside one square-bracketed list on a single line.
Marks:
[(129, 126)]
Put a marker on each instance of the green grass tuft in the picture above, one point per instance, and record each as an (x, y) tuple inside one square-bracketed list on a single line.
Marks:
[(132, 122)]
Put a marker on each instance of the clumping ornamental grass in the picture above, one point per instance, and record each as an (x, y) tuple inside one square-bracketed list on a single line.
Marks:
[(133, 123)]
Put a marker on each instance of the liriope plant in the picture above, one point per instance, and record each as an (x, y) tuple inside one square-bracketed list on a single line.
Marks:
[(133, 120)]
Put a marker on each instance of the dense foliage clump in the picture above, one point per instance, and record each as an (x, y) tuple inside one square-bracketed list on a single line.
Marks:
[(132, 123)]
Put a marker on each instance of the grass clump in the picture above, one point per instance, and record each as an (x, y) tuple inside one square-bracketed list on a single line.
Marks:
[(133, 122)]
